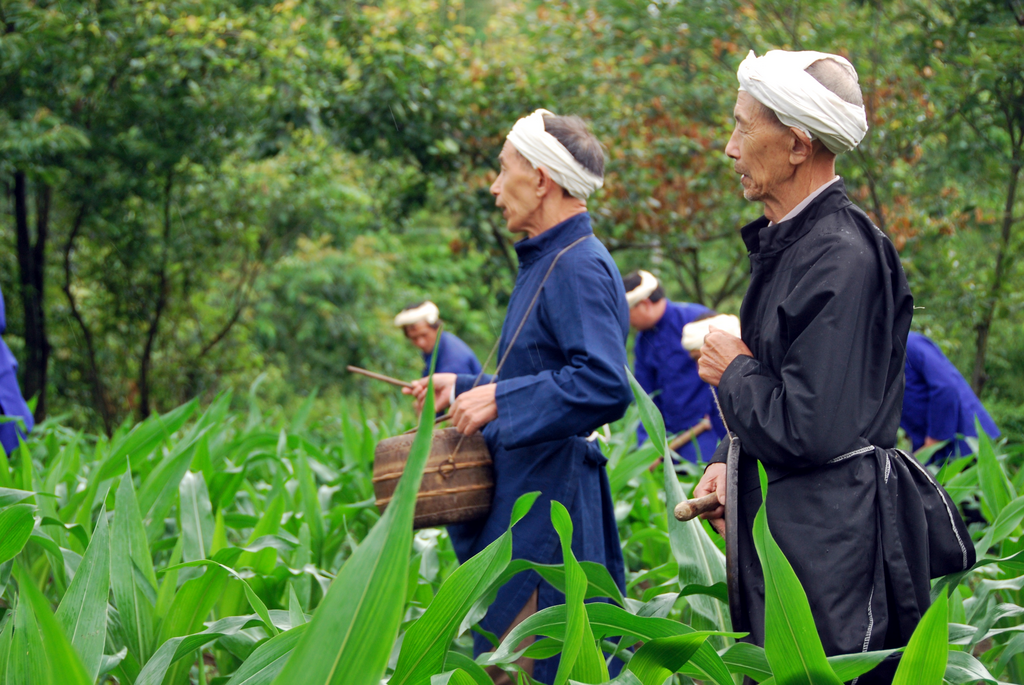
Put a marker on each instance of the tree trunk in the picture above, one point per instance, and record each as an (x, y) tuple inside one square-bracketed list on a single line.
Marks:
[(161, 303), (31, 262), (984, 327), (99, 391)]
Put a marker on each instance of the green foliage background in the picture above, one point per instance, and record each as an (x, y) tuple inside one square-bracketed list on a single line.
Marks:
[(201, 193), (202, 197)]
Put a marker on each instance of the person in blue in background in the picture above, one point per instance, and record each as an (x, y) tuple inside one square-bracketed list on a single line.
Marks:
[(667, 371), (12, 404), (564, 376), (938, 404), (420, 323)]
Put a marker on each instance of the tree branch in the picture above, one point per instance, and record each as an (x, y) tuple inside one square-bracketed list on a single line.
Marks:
[(98, 387)]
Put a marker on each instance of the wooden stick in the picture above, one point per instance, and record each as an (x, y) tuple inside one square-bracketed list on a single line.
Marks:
[(378, 376), (688, 435), (692, 508)]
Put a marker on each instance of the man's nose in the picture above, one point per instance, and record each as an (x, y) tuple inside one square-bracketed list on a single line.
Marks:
[(732, 148)]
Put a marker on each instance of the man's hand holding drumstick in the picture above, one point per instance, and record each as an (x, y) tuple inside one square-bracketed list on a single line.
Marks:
[(718, 351), (472, 409)]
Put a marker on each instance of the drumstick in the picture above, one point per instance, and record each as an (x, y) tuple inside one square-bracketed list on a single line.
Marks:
[(692, 508), (687, 436), (379, 376)]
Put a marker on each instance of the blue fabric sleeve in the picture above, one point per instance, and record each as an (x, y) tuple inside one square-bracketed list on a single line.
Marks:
[(581, 310), (464, 382)]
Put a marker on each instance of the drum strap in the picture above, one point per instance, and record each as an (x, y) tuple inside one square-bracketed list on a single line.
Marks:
[(515, 336)]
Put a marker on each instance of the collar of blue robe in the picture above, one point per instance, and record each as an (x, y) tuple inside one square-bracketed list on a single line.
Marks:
[(555, 238), (762, 238)]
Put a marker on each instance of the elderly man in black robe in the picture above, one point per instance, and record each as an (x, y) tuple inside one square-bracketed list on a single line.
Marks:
[(813, 389)]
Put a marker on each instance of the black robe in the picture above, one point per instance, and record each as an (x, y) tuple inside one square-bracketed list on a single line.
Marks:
[(826, 317)]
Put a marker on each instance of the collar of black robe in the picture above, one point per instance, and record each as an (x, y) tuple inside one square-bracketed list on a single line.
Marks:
[(764, 239), (555, 238)]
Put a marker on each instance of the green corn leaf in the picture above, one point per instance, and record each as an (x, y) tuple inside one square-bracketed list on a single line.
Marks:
[(310, 501), (471, 668), (599, 584), (426, 643), (6, 640), (83, 610), (266, 662), (749, 660), (580, 656), (849, 666), (607, 620), (160, 490), (353, 629), (16, 524), (1006, 522), (295, 613), (129, 551), (456, 677), (196, 517), (49, 659), (254, 601), (699, 559), (792, 645), (9, 496), (191, 607), (924, 660), (177, 648), (661, 657), (996, 489), (143, 439)]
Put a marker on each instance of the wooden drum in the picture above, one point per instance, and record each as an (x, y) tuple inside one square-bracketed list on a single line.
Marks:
[(458, 481)]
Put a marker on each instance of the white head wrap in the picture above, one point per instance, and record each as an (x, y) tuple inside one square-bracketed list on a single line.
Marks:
[(648, 284), (780, 82), (425, 312), (543, 149), (693, 333)]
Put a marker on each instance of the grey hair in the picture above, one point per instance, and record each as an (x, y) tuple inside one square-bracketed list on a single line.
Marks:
[(574, 134), (839, 78)]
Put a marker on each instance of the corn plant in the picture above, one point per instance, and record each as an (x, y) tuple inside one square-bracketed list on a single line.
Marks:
[(232, 545)]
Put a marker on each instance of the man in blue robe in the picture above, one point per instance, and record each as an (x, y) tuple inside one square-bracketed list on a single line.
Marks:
[(564, 376), (663, 367), (938, 404), (12, 404), (420, 323)]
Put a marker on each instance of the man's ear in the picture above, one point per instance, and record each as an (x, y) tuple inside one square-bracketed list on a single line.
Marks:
[(801, 149), (546, 184)]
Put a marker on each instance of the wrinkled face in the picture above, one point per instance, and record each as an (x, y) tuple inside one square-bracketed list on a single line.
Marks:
[(422, 335), (516, 189), (761, 147)]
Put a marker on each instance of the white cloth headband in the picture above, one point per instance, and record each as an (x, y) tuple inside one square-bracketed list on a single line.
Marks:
[(780, 82), (693, 333), (425, 312), (648, 284), (543, 150)]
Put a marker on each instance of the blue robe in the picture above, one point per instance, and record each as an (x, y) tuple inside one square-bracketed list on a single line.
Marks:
[(937, 401), (565, 377), (11, 401), (453, 356), (683, 398)]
